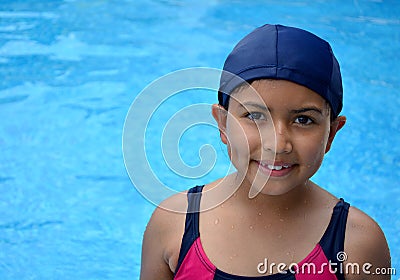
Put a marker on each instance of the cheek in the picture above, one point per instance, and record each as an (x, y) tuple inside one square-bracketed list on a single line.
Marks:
[(235, 139), (242, 141), (245, 137), (313, 150)]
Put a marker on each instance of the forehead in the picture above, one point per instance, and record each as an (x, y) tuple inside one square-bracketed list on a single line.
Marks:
[(277, 93)]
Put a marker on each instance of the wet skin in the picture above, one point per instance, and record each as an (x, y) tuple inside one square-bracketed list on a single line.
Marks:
[(276, 138)]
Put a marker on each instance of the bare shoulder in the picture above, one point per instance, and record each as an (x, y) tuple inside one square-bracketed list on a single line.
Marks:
[(162, 237), (366, 246), (170, 212)]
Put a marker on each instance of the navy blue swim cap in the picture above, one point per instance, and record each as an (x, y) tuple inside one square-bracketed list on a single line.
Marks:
[(285, 53)]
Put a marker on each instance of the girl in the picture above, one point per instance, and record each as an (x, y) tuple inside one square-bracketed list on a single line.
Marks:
[(278, 113)]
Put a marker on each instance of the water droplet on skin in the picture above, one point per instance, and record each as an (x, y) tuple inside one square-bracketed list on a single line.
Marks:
[(251, 227), (282, 220), (259, 213), (233, 227), (216, 221), (269, 225)]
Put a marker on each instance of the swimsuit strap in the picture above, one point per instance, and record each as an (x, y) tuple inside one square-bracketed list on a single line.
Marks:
[(332, 242), (191, 223)]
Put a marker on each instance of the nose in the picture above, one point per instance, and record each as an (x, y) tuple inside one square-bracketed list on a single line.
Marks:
[(282, 143)]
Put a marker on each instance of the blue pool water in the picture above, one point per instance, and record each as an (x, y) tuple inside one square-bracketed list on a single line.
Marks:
[(69, 71)]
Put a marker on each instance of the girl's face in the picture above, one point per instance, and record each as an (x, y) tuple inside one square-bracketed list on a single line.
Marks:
[(277, 138)]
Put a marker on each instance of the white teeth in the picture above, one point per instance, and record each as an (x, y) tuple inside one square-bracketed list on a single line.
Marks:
[(277, 167)]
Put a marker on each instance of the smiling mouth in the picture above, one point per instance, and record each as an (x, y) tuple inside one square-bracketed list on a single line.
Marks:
[(275, 169)]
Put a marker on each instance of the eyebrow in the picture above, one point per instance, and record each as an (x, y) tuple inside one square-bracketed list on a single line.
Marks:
[(252, 104), (295, 111), (307, 109)]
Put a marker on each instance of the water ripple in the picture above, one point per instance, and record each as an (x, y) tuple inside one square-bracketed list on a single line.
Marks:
[(13, 99), (5, 179), (28, 226), (90, 111), (100, 178)]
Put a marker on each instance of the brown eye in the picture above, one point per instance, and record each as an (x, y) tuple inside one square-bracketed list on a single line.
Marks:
[(303, 120)]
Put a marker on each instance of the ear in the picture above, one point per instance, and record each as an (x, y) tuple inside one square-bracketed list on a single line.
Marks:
[(220, 114), (336, 125)]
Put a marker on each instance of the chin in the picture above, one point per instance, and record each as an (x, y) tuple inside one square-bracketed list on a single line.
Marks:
[(269, 188), (266, 185)]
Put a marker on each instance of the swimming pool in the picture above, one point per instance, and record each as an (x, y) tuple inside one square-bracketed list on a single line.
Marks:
[(69, 72)]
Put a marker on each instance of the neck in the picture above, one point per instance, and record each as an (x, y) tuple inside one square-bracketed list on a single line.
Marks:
[(289, 202)]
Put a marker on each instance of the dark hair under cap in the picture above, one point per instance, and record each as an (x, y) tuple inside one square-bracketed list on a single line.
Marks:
[(286, 53)]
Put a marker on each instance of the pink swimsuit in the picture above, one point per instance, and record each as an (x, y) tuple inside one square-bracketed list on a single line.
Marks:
[(323, 262)]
